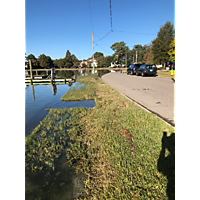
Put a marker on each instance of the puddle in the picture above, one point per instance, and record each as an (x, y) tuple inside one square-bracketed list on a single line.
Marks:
[(61, 183)]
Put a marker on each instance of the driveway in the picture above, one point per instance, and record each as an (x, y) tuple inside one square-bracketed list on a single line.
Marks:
[(155, 94)]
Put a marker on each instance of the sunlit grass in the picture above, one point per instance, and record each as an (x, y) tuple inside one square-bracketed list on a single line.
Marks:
[(116, 144)]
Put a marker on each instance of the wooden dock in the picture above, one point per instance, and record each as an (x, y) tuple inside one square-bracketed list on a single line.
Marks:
[(27, 80), (48, 78)]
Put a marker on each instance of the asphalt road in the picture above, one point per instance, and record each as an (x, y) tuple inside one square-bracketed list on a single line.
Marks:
[(155, 94)]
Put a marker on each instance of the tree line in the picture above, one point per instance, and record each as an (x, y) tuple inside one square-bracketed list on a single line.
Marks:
[(159, 51)]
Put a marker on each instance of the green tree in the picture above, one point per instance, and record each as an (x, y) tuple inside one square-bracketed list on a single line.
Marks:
[(45, 61), (161, 45), (31, 57), (59, 63), (74, 58), (100, 61), (68, 54), (120, 51), (98, 54), (42, 60), (171, 52), (108, 60), (148, 57)]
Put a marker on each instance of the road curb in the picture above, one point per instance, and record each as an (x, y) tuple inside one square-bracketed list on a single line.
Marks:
[(169, 122)]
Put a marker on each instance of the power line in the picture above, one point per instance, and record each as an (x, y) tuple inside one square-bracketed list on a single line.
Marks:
[(103, 49), (101, 40), (134, 32), (111, 15), (105, 36)]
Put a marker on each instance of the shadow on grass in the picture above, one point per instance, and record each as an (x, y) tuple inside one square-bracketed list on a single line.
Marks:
[(166, 165)]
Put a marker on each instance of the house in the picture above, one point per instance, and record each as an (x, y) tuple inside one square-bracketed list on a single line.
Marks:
[(83, 64), (113, 65), (91, 63)]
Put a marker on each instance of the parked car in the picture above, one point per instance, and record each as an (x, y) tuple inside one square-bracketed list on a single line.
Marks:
[(132, 68), (146, 70)]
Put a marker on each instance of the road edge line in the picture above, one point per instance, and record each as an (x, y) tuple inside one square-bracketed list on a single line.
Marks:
[(150, 111)]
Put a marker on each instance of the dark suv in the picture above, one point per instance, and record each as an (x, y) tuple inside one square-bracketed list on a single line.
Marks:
[(146, 70), (132, 68)]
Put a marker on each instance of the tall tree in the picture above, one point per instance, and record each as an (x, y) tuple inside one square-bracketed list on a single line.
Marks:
[(171, 52), (68, 54), (161, 45), (108, 60), (120, 51), (100, 61), (148, 57)]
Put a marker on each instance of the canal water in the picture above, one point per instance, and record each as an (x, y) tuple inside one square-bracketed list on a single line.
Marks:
[(61, 183), (40, 97)]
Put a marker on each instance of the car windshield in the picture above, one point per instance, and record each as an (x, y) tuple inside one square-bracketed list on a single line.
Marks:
[(150, 66)]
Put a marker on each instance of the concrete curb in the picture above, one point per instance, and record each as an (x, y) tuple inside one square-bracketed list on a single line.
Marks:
[(169, 122)]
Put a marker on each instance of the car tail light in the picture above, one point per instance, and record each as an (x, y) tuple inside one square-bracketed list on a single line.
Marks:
[(133, 69), (145, 70), (156, 70)]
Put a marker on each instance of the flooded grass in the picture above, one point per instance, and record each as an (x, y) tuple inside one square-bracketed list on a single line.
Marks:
[(117, 146), (45, 151), (83, 92)]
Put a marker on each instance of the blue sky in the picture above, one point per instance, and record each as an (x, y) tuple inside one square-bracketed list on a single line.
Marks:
[(54, 26)]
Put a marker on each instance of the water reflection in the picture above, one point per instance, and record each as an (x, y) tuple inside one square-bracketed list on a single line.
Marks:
[(62, 183), (65, 74)]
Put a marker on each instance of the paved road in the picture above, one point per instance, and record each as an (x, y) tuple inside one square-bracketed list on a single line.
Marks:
[(155, 94)]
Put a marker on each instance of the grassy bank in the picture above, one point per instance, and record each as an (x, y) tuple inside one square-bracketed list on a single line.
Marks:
[(165, 74), (126, 152), (121, 148)]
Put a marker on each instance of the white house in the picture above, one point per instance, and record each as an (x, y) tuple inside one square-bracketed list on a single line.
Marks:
[(90, 61), (159, 66), (83, 62), (116, 65)]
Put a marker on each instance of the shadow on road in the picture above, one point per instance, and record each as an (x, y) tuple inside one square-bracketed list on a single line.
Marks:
[(166, 165)]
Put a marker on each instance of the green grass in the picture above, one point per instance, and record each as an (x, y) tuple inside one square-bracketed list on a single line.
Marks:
[(100, 145), (84, 92), (116, 168), (165, 74)]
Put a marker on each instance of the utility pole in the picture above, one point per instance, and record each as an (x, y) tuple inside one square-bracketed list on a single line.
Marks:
[(93, 51), (136, 57), (133, 58), (126, 58), (30, 64)]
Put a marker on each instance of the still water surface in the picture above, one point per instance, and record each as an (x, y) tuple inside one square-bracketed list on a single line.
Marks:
[(40, 97), (61, 183)]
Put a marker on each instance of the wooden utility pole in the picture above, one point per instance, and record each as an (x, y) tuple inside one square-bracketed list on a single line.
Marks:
[(126, 58), (30, 69), (136, 57), (93, 51)]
